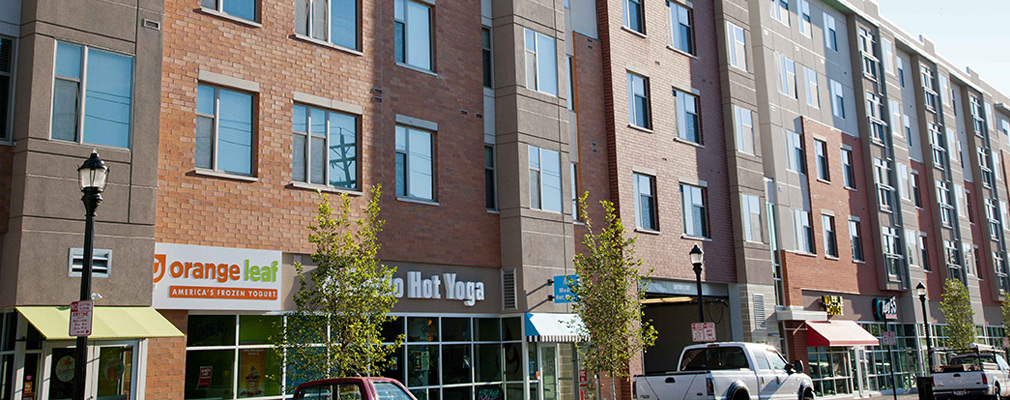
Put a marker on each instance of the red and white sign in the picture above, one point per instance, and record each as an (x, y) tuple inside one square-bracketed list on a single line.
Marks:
[(889, 339), (703, 332), (206, 372), (583, 378), (80, 317)]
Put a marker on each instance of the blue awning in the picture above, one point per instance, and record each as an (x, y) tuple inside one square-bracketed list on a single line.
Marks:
[(552, 328)]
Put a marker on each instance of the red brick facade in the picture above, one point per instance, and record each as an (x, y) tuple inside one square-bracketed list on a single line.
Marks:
[(166, 361)]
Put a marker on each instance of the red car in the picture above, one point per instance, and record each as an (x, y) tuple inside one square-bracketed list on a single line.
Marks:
[(353, 389)]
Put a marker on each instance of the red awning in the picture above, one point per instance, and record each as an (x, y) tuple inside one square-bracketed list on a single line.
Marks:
[(838, 333)]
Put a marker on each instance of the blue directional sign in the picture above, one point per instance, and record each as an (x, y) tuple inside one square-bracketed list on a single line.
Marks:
[(562, 292)]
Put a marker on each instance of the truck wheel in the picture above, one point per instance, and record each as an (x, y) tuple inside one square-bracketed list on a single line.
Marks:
[(808, 395), (741, 395)]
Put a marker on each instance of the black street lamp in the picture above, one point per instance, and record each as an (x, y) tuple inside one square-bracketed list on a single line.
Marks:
[(920, 289), (93, 175), (697, 256)]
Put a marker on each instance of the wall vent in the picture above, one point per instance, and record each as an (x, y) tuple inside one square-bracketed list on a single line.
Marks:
[(508, 283), (151, 24), (100, 267), (760, 317)]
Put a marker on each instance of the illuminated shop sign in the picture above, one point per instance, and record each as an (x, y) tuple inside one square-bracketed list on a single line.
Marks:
[(216, 278), (833, 305), (885, 308)]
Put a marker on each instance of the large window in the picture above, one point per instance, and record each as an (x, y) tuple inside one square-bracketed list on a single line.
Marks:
[(545, 179), (804, 11), (830, 239), (695, 211), (92, 96), (892, 250), (813, 89), (821, 152), (855, 240), (744, 119), (415, 163), (837, 98), (244, 9), (324, 148), (634, 15), (688, 119), (885, 188), (645, 202), (681, 27), (490, 179), (737, 46), (218, 344), (541, 62), (780, 10), (787, 76), (830, 33), (804, 231), (639, 108), (831, 370), (334, 21), (848, 171), (7, 87), (753, 231), (224, 130), (794, 150), (413, 34)]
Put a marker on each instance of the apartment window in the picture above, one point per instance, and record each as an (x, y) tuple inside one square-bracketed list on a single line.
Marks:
[(681, 23), (813, 89), (923, 253), (854, 238), (888, 54), (805, 25), (639, 107), (874, 111), (1005, 127), (488, 61), (804, 232), (744, 129), (541, 63), (895, 109), (983, 164), (821, 152), (245, 9), (224, 130), (950, 253), (866, 42), (837, 99), (574, 171), (334, 21), (908, 131), (688, 120), (780, 10), (324, 148), (914, 181), (545, 179), (848, 171), (830, 34), (901, 71), (903, 181), (92, 96), (6, 86), (937, 146), (927, 88), (737, 46), (943, 198), (828, 231), (892, 249), (968, 209), (570, 67), (415, 163), (634, 15), (910, 249), (885, 190), (992, 217), (413, 34), (794, 149), (645, 202), (695, 213), (787, 76), (752, 229), (490, 179)]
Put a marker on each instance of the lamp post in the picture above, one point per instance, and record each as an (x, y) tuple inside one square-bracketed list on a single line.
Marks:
[(920, 289), (93, 175), (697, 256)]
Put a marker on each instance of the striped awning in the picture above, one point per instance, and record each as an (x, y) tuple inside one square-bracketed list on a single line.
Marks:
[(552, 328)]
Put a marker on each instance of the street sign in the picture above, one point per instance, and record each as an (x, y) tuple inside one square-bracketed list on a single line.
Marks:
[(703, 332), (80, 317), (889, 339)]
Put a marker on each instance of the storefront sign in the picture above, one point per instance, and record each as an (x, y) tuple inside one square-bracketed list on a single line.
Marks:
[(252, 363), (80, 317), (436, 287), (889, 339), (833, 305), (206, 372), (563, 292), (219, 278), (885, 308)]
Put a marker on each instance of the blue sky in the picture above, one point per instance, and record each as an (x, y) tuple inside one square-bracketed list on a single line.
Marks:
[(971, 33)]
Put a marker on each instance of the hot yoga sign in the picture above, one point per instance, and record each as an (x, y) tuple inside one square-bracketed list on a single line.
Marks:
[(202, 277)]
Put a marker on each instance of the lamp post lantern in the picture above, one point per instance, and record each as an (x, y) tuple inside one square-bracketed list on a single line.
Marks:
[(93, 175), (920, 290), (697, 257)]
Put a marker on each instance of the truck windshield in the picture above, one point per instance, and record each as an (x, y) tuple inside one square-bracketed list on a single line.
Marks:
[(713, 358)]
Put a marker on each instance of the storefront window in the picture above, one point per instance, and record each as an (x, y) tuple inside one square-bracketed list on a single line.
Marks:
[(487, 329), (212, 356), (256, 329), (211, 330), (62, 371), (422, 329), (830, 369), (8, 331), (905, 358)]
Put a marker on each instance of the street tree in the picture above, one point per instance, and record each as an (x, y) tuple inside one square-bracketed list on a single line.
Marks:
[(342, 303), (1005, 308), (608, 293), (956, 308)]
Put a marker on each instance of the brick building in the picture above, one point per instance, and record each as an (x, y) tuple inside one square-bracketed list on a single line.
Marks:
[(826, 162)]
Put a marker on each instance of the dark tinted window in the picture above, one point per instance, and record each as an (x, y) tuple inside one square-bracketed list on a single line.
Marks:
[(321, 392), (713, 358)]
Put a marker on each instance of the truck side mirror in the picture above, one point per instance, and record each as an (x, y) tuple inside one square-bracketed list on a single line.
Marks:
[(798, 366)]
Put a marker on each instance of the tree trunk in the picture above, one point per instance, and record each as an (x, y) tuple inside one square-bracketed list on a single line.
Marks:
[(613, 388)]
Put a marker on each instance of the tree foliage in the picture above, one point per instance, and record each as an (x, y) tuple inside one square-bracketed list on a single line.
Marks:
[(1004, 307), (608, 293), (955, 305), (341, 304)]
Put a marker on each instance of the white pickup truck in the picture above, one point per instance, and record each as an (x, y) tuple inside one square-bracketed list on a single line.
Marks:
[(978, 373), (728, 371)]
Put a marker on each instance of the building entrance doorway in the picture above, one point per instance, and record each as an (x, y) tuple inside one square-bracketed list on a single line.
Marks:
[(111, 370)]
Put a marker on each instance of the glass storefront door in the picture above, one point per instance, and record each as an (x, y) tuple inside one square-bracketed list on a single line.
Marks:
[(111, 371), (549, 369)]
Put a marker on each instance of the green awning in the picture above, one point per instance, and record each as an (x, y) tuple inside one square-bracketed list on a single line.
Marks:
[(108, 323)]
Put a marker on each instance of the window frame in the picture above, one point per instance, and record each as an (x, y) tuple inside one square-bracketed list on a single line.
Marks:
[(813, 87), (627, 17), (837, 98), (848, 169), (796, 159), (7, 129), (741, 135), (787, 77), (215, 131), (923, 252), (406, 23), (493, 169), (540, 180), (821, 155), (856, 240), (804, 226), (779, 11), (639, 194), (751, 210), (633, 79), (535, 52), (82, 89), (328, 34), (681, 99), (690, 209), (676, 24), (432, 142), (806, 25), (830, 235), (326, 146), (830, 32), (219, 9), (487, 56), (737, 41)]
